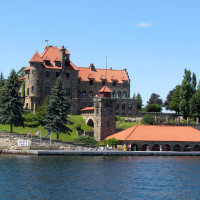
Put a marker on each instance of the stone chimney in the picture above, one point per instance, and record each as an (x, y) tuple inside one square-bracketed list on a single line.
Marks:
[(62, 57), (92, 67)]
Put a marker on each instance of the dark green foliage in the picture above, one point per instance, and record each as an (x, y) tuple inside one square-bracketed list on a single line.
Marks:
[(86, 140), (23, 92), (139, 102), (168, 99), (148, 119), (112, 142), (56, 113), (41, 111), (20, 73), (153, 108), (155, 99), (31, 119), (10, 102), (187, 89), (175, 102), (195, 103), (78, 127), (2, 81)]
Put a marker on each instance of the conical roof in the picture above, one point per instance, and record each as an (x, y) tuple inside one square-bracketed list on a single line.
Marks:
[(36, 58)]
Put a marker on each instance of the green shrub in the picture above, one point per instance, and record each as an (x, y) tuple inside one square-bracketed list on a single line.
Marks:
[(112, 142), (78, 127), (33, 124), (148, 119), (153, 108), (86, 140)]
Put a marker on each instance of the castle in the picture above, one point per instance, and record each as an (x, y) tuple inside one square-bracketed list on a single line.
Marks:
[(81, 84)]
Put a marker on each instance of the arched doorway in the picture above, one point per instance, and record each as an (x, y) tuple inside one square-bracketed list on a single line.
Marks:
[(156, 147), (166, 147), (134, 147), (196, 148), (90, 123), (187, 147), (176, 147), (144, 147)]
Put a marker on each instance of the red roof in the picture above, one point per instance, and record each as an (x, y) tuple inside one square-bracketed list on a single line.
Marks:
[(105, 89), (87, 108), (158, 133), (36, 58)]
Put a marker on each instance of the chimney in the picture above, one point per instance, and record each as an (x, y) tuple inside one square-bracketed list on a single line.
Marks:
[(62, 57), (92, 67)]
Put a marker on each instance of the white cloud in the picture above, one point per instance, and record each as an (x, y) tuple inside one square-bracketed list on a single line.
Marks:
[(144, 25)]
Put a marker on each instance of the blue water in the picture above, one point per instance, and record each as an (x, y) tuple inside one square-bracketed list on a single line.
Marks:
[(106, 178)]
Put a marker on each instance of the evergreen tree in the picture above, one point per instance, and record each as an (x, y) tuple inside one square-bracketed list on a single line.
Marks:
[(139, 102), (10, 102), (56, 112), (175, 102), (195, 103), (23, 92), (186, 91), (2, 81)]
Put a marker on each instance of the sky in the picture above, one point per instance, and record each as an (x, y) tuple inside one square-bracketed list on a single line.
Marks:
[(155, 40)]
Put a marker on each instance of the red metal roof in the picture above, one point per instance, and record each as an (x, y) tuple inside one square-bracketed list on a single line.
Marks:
[(158, 133)]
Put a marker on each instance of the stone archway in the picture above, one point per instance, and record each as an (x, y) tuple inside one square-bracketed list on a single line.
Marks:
[(134, 147), (187, 148), (166, 147), (196, 148), (90, 122), (177, 147), (156, 147), (144, 147)]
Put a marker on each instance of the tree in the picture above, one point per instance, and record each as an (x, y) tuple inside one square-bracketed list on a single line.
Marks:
[(10, 102), (57, 110), (139, 102), (20, 73), (153, 108), (112, 142), (2, 80), (187, 89), (86, 140), (195, 103), (168, 99), (23, 92), (175, 102), (148, 119), (155, 99)]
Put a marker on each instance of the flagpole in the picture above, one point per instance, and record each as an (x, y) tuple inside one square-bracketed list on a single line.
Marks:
[(40, 137)]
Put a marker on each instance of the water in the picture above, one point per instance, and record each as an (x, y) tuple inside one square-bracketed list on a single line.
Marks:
[(104, 178)]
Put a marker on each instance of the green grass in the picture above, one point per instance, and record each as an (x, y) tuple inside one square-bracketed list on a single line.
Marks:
[(121, 124), (70, 136)]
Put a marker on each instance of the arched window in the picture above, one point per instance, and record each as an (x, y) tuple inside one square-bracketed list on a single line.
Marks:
[(114, 94), (124, 94), (119, 95)]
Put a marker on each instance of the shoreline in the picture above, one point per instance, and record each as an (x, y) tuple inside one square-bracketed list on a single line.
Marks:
[(99, 153)]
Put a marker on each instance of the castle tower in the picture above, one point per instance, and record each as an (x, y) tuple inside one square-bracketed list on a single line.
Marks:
[(33, 82), (104, 114)]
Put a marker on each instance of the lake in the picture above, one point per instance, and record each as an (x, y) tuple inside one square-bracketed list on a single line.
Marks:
[(27, 177)]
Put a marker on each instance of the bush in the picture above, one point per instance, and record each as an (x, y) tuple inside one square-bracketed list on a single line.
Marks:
[(86, 140), (31, 120), (112, 142), (78, 127), (33, 124), (153, 108), (148, 119)]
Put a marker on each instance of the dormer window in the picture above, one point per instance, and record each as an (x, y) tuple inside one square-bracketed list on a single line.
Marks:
[(114, 83), (125, 84), (91, 81), (57, 63), (103, 83), (47, 62)]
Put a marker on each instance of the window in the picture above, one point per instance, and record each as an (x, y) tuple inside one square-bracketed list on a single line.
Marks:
[(67, 75), (124, 94), (91, 82), (67, 91), (83, 94), (129, 106), (83, 104), (90, 94), (27, 91), (47, 73), (57, 63), (28, 75), (79, 81), (47, 62), (114, 94), (33, 71), (117, 106), (32, 88), (119, 94), (47, 90), (57, 74), (125, 84), (90, 104), (103, 83), (114, 83), (123, 106), (108, 112)]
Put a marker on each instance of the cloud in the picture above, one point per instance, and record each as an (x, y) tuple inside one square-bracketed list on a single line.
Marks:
[(144, 25)]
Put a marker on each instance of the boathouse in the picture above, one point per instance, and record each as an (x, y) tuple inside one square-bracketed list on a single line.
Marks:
[(159, 138)]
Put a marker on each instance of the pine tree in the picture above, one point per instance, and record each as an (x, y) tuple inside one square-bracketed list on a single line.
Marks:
[(139, 102), (10, 102), (2, 81), (187, 89), (56, 113)]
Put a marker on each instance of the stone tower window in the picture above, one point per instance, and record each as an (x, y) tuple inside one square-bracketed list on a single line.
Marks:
[(114, 94), (33, 71), (32, 88), (117, 106), (123, 106), (47, 90), (124, 94), (90, 93), (57, 74), (27, 91), (119, 95), (83, 104), (67, 75), (129, 106)]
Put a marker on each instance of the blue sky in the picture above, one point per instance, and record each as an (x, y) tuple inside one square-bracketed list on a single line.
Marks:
[(155, 40)]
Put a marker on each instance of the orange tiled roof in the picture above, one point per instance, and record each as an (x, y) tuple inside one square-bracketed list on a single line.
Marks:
[(22, 78), (87, 108), (158, 133), (100, 74), (105, 89), (36, 58), (27, 68)]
